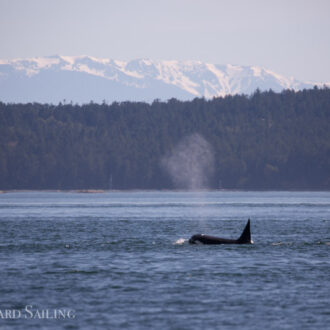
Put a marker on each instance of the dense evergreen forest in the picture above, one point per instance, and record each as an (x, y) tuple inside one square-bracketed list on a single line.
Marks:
[(264, 141)]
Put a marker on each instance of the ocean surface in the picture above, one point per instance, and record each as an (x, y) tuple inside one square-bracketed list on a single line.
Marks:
[(121, 260)]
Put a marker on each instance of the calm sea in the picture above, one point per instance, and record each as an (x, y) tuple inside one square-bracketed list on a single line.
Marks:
[(121, 260)]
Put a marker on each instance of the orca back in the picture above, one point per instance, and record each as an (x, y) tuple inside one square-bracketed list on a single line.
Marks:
[(245, 238)]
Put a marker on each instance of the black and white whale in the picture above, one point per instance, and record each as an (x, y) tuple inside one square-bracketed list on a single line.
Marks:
[(245, 238)]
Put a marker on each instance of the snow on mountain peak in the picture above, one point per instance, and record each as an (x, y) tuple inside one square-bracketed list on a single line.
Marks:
[(91, 78)]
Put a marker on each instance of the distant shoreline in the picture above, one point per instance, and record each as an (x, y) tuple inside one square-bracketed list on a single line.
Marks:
[(102, 191)]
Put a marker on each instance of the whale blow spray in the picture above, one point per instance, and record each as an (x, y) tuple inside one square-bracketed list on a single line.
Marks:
[(191, 163)]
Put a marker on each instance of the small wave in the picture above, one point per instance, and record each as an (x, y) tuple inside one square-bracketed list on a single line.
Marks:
[(321, 243), (180, 241), (83, 271)]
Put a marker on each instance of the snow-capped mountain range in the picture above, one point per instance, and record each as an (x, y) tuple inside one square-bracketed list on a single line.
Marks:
[(81, 79)]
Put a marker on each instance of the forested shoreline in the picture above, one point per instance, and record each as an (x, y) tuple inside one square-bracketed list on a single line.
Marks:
[(264, 141)]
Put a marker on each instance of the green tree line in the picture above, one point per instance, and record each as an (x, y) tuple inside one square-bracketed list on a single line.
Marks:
[(264, 141)]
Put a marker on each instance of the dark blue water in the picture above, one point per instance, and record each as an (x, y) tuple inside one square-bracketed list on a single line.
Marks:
[(121, 260)]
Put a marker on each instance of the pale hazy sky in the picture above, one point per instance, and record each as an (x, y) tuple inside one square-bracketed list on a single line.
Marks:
[(290, 37)]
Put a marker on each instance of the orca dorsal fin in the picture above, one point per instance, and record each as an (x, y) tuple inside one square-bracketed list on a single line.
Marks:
[(246, 235)]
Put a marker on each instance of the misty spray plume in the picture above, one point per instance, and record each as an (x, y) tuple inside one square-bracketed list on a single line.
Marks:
[(191, 163)]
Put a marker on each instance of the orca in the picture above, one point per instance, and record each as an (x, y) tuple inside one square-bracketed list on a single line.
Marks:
[(245, 238)]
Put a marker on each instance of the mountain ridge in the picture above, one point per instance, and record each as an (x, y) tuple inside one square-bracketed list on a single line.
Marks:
[(83, 78)]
